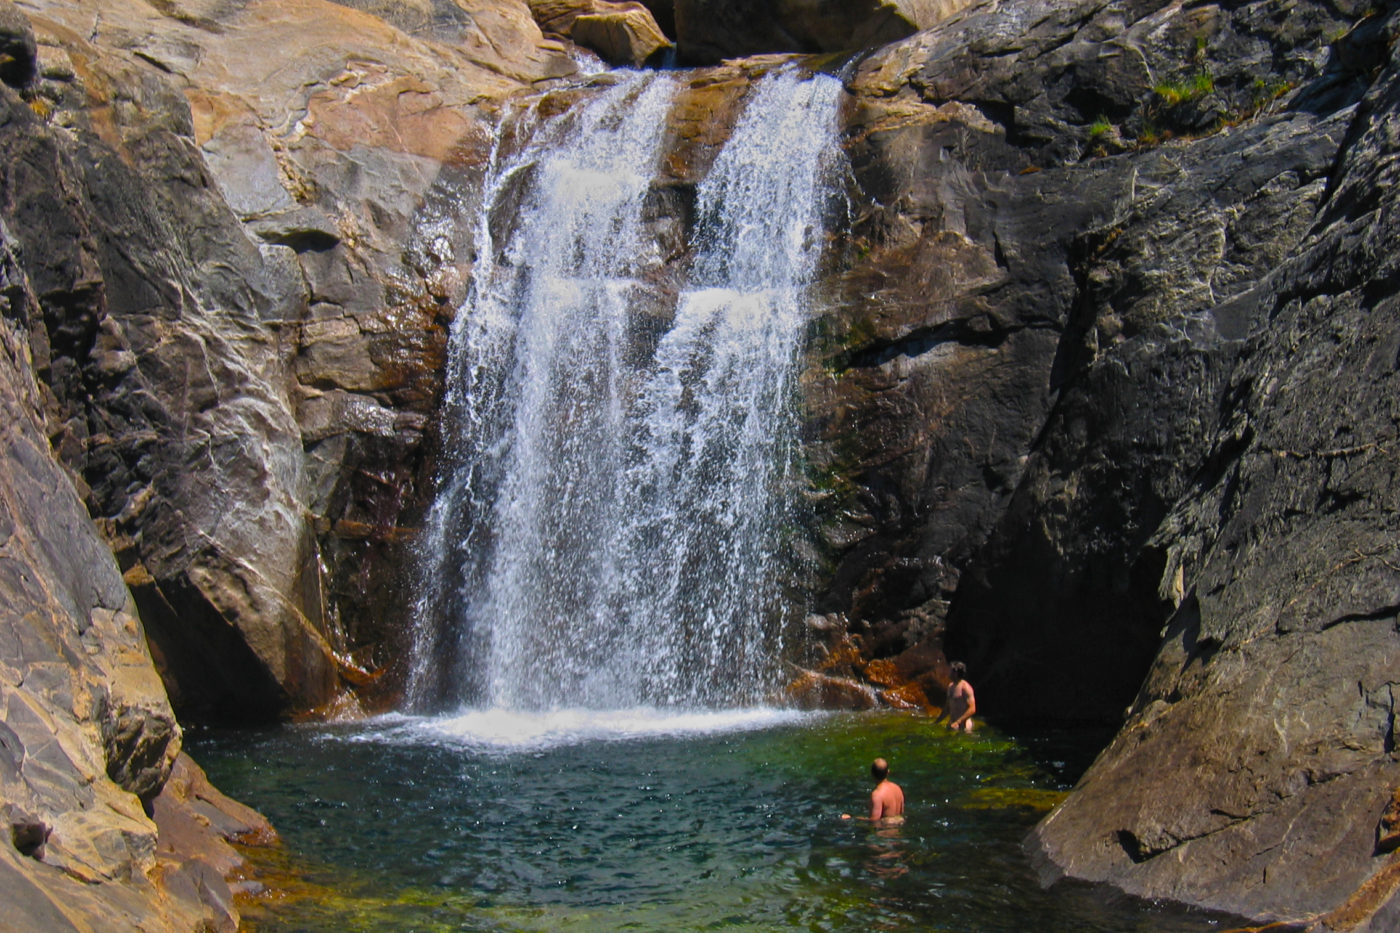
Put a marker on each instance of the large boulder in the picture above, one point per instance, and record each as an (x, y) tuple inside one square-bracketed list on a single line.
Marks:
[(626, 36), (622, 33)]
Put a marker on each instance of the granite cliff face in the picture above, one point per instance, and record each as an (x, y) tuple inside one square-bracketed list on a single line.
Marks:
[(1054, 265), (1098, 400), (1105, 390), (249, 270), (1274, 693), (88, 741)]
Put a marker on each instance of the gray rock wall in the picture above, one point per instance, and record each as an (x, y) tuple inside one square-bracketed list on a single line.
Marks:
[(1267, 723), (1105, 392), (1052, 268)]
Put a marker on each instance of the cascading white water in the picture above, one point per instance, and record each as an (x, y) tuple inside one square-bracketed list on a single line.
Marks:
[(609, 534)]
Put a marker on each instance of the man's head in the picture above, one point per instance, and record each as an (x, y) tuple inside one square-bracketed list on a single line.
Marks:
[(880, 769), (958, 670)]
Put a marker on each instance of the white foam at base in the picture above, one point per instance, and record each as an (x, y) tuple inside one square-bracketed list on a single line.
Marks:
[(511, 730)]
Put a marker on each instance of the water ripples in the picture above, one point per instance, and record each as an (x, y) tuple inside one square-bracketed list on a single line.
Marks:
[(647, 821)]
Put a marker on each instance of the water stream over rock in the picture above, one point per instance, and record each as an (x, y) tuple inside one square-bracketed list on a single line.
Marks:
[(609, 531)]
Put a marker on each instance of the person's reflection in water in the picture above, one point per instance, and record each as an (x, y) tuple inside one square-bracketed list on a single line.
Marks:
[(887, 850)]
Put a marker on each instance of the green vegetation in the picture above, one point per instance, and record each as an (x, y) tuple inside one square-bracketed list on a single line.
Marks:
[(1102, 138), (835, 337), (1099, 129), (1008, 798), (1200, 56), (1179, 92), (1266, 92)]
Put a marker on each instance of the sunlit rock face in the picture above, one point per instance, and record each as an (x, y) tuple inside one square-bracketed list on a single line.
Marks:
[(88, 739), (216, 357), (251, 256)]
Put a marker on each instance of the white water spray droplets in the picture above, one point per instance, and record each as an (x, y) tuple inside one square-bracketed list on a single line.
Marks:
[(609, 536)]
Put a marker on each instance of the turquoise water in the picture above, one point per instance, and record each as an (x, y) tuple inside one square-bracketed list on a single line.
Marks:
[(640, 821)]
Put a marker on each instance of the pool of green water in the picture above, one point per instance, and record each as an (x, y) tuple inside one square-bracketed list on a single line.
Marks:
[(494, 822)]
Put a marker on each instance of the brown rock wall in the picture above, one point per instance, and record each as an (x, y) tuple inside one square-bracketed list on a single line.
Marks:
[(87, 736), (243, 231)]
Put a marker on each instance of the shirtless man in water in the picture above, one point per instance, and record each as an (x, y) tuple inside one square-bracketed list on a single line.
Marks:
[(886, 800), (961, 702)]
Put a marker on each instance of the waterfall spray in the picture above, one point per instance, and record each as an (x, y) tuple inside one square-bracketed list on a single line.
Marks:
[(608, 533)]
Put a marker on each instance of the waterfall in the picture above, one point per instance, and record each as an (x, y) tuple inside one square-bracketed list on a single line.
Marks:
[(609, 527)]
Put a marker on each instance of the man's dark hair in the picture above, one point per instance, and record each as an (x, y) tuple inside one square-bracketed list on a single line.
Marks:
[(879, 769), (959, 671)]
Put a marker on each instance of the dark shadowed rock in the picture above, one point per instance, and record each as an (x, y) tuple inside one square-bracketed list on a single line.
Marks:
[(17, 47), (1079, 235), (1279, 661), (708, 31), (1030, 340)]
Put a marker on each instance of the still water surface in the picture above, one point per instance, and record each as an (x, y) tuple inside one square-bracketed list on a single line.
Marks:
[(642, 821)]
